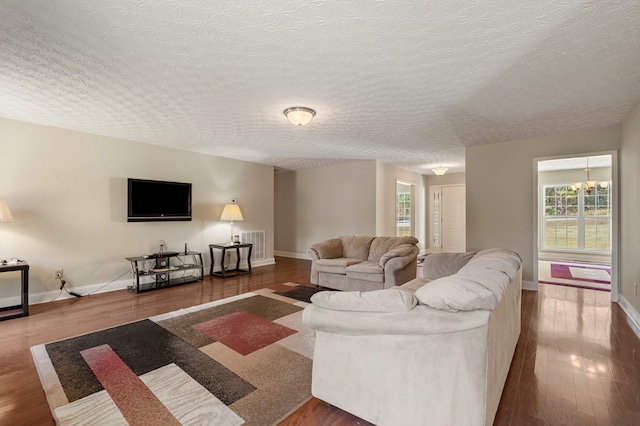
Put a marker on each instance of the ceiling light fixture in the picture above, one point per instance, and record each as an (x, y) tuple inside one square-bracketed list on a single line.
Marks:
[(589, 185), (299, 115), (439, 171)]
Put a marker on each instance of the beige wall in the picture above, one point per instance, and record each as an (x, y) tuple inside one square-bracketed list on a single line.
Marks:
[(499, 179), (67, 192), (315, 204), (629, 208)]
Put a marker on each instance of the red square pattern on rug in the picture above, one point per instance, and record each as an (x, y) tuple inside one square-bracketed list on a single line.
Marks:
[(244, 332)]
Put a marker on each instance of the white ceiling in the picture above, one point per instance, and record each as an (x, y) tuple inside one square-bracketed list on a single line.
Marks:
[(409, 83)]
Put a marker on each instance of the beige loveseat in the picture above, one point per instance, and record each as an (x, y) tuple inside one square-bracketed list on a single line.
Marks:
[(355, 262), (435, 351)]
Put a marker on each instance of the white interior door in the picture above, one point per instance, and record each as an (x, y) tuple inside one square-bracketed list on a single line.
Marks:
[(454, 223)]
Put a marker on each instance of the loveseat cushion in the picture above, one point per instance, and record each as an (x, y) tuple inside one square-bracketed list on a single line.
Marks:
[(329, 249), (367, 271), (356, 246), (389, 300), (382, 245), (335, 266)]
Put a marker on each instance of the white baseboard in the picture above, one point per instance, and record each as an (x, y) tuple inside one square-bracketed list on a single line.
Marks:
[(634, 316), (262, 262), (529, 285), (48, 296), (291, 255)]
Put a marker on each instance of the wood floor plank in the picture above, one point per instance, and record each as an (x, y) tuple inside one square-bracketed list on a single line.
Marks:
[(577, 360)]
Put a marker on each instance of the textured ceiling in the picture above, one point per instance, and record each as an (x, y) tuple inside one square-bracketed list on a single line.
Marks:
[(409, 83)]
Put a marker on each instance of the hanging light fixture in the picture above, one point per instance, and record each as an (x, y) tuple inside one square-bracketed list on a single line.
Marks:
[(588, 185), (299, 116), (439, 171)]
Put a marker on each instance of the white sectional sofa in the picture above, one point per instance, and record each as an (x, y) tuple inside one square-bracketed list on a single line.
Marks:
[(364, 263), (435, 351)]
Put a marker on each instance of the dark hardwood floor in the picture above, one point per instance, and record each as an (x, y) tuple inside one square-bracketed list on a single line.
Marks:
[(577, 361)]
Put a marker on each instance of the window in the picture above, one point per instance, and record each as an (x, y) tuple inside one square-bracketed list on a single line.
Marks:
[(404, 209), (577, 220)]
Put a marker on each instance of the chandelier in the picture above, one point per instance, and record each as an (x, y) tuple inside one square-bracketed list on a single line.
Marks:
[(589, 185)]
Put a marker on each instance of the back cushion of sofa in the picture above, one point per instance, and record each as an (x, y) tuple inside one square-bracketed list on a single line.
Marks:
[(438, 265), (356, 246), (382, 245)]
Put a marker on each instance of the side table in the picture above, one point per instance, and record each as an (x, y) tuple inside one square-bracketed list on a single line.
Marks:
[(224, 272), (21, 310)]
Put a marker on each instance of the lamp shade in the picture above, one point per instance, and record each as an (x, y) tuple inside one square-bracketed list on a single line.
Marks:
[(5, 213), (231, 212), (299, 115)]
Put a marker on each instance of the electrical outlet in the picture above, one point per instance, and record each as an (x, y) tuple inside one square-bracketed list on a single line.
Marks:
[(58, 273)]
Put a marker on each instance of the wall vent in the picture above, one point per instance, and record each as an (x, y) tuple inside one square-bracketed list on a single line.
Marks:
[(257, 239)]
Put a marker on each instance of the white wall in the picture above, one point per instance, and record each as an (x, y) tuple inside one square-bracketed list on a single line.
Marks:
[(500, 197), (67, 192), (629, 208), (316, 204)]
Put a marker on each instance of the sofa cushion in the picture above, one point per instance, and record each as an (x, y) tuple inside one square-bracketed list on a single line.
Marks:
[(456, 293), (414, 284), (367, 271), (335, 266), (389, 300), (502, 260), (356, 246), (329, 249), (381, 245), (438, 265)]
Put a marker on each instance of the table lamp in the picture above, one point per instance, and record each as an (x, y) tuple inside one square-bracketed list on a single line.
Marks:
[(231, 212), (5, 213)]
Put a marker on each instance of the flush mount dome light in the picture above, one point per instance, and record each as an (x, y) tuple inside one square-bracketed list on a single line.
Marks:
[(299, 115), (439, 171)]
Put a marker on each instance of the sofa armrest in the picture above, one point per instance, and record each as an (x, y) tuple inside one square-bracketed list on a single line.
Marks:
[(421, 320), (438, 265), (313, 254), (402, 255), (328, 249)]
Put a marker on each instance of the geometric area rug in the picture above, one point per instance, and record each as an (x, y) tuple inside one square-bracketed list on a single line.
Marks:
[(595, 276), (241, 360)]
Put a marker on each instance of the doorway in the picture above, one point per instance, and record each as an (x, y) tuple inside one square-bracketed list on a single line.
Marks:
[(448, 218), (576, 222)]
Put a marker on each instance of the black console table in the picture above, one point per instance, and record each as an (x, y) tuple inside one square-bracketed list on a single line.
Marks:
[(165, 270), (21, 310), (224, 272)]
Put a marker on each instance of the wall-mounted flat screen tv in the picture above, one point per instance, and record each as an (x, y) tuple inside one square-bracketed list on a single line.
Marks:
[(153, 200)]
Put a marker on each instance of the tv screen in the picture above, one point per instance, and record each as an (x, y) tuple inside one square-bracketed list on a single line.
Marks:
[(152, 200)]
